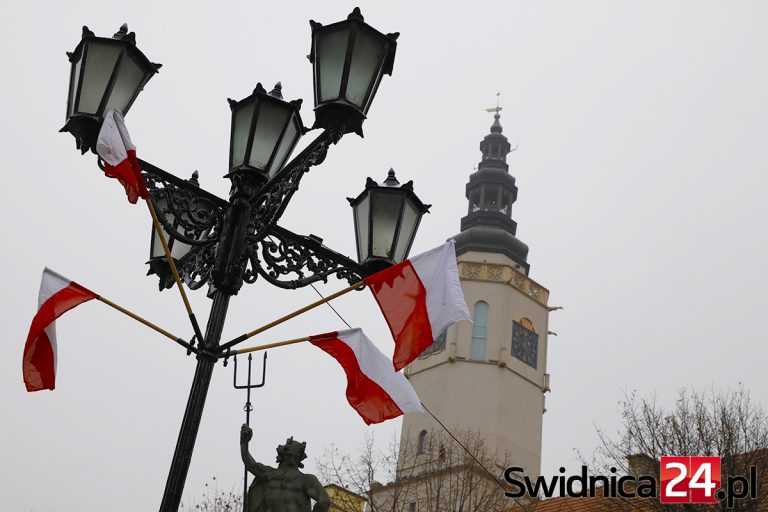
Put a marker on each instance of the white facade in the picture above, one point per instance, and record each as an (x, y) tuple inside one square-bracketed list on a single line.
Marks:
[(497, 396)]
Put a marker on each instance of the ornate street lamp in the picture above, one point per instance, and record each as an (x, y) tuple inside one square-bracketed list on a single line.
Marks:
[(349, 59), (107, 73), (265, 129), (226, 243), (387, 216)]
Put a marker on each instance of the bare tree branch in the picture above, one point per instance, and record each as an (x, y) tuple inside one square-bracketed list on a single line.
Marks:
[(710, 423), (439, 477)]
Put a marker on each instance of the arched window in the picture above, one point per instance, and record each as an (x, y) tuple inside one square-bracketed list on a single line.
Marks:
[(421, 446), (479, 331)]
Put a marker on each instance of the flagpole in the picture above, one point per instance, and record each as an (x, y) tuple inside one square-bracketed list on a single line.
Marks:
[(287, 317), (174, 270), (267, 346), (146, 322)]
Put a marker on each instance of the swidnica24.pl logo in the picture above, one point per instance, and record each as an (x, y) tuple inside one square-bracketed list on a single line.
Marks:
[(683, 480)]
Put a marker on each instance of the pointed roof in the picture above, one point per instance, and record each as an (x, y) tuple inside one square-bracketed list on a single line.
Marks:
[(491, 192)]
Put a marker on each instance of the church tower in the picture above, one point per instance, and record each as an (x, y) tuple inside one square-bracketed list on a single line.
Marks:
[(488, 378)]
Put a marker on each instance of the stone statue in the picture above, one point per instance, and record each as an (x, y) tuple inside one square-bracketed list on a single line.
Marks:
[(285, 488)]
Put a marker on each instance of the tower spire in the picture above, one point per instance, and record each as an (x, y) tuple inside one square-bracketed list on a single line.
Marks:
[(491, 191)]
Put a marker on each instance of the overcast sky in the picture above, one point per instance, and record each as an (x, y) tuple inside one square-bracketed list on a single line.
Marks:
[(641, 168)]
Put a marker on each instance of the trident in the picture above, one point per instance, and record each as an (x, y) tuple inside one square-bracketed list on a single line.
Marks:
[(248, 408)]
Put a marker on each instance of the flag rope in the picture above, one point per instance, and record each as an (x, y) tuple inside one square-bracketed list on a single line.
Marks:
[(495, 479), (325, 300), (330, 305), (146, 322), (307, 338), (174, 270), (287, 317)]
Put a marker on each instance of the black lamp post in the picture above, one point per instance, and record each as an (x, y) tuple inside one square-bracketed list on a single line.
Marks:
[(225, 243)]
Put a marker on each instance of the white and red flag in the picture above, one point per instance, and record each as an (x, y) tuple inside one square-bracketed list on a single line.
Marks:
[(114, 146), (419, 297), (374, 389), (57, 296)]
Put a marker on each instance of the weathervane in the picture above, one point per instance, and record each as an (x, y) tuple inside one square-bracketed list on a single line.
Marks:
[(498, 108)]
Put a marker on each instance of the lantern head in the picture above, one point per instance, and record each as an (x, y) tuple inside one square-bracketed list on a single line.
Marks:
[(387, 216), (349, 59), (107, 73)]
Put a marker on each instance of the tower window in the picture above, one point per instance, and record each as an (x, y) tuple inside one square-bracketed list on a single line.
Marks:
[(412, 506), (506, 204), (479, 331), (474, 201), (421, 446), (491, 196)]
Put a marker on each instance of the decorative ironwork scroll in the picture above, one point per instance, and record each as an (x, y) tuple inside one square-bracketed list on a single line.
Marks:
[(270, 202), (193, 216), (288, 260)]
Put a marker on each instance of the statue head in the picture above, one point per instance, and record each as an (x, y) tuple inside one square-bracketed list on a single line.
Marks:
[(292, 452)]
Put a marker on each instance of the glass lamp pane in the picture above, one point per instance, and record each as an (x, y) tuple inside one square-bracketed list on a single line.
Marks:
[(331, 54), (73, 83), (178, 248), (269, 126), (411, 216), (99, 65), (385, 212), (286, 146), (157, 246), (129, 79), (240, 130), (362, 217), (364, 67)]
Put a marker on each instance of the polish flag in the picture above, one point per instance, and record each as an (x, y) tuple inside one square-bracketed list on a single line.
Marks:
[(57, 296), (374, 390), (114, 146), (419, 297)]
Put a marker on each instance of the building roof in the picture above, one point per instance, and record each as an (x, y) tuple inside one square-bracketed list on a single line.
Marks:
[(596, 504)]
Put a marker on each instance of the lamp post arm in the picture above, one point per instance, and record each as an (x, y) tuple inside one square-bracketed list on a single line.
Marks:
[(190, 215), (272, 199), (289, 260), (194, 210), (159, 174)]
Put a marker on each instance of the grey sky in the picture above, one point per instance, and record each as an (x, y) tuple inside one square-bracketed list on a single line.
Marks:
[(641, 168)]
